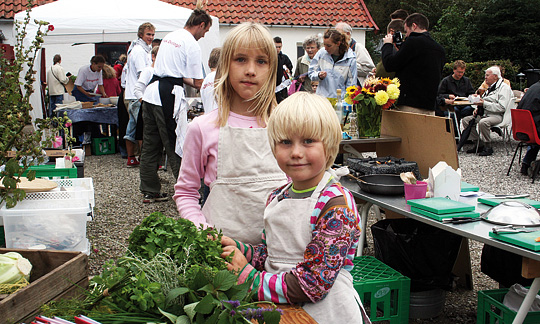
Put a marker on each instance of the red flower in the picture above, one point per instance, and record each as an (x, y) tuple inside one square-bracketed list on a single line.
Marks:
[(51, 27), (388, 104)]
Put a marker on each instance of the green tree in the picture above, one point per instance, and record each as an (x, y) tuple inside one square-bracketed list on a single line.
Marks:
[(507, 29), (451, 30)]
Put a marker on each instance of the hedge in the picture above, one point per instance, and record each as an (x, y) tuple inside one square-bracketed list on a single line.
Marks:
[(476, 71)]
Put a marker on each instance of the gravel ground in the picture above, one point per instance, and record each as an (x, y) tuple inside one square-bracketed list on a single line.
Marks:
[(119, 209)]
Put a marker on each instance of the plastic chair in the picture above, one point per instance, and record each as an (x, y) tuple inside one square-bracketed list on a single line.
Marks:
[(524, 131)]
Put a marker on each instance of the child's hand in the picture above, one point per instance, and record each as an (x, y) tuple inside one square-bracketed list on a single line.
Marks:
[(238, 261), (227, 241)]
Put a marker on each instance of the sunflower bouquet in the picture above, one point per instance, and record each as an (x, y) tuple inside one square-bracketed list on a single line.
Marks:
[(376, 95)]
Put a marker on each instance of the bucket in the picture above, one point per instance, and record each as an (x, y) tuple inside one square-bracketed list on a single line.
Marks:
[(426, 304), (415, 191)]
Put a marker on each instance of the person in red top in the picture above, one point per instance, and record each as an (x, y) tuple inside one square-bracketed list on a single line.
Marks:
[(110, 83), (119, 65)]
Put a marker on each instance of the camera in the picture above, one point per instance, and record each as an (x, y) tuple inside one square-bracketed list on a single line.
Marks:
[(397, 39)]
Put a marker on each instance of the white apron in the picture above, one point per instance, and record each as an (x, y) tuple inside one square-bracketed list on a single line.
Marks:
[(247, 172), (288, 232)]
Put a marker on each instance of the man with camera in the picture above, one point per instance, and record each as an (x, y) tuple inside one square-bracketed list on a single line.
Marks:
[(418, 65), (394, 28)]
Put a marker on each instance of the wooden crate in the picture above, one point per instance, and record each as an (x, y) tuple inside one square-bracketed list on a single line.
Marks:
[(55, 275)]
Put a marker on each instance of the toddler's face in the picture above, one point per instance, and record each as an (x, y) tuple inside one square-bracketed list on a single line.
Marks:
[(314, 85), (302, 159)]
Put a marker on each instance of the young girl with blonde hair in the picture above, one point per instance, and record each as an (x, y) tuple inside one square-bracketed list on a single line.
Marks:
[(311, 225), (228, 147)]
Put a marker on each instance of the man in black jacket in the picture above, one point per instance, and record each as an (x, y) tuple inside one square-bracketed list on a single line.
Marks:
[(418, 65), (456, 85), (282, 80)]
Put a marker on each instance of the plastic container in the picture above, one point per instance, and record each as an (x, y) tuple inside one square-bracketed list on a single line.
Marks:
[(491, 309), (46, 224), (384, 291), (76, 188), (104, 101), (51, 172), (415, 191), (103, 146), (114, 100)]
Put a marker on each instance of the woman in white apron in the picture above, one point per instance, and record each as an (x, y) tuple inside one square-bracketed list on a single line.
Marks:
[(311, 226), (228, 148)]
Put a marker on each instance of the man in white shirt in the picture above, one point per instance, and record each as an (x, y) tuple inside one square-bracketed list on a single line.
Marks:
[(88, 77), (207, 88), (56, 80), (178, 62), (138, 59)]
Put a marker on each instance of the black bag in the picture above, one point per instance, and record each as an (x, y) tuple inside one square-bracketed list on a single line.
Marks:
[(423, 253)]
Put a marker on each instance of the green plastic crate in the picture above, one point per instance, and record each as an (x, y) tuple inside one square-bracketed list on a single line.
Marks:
[(103, 145), (491, 309), (385, 292), (50, 171)]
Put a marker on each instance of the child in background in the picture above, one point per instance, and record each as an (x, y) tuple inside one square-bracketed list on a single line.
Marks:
[(110, 83), (228, 148), (311, 225)]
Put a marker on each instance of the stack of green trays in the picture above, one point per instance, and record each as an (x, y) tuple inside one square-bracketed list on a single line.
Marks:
[(441, 208)]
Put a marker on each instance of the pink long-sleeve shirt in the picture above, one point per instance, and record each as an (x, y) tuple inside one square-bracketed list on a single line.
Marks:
[(200, 161)]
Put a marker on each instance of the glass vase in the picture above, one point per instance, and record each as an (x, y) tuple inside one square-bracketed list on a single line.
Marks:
[(368, 120)]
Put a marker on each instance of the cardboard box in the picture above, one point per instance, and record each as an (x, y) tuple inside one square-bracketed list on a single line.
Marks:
[(55, 275)]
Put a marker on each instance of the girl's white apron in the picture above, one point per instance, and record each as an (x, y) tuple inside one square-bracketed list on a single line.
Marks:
[(247, 172), (288, 232)]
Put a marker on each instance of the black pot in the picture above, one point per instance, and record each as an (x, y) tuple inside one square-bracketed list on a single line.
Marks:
[(382, 184)]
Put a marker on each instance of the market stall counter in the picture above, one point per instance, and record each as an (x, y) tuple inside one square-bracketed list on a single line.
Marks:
[(477, 230)]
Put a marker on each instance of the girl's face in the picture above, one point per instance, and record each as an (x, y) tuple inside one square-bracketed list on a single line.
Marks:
[(249, 70), (331, 47), (302, 159)]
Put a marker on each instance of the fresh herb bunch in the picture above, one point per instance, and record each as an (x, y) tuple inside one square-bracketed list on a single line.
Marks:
[(185, 242), (172, 271)]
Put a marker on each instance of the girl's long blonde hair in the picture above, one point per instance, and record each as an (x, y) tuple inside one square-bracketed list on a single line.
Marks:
[(246, 35)]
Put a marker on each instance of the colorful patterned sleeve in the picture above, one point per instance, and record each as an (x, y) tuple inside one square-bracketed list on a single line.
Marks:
[(335, 237)]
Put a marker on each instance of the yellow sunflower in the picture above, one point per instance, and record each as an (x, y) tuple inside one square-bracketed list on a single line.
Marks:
[(386, 81), (351, 90)]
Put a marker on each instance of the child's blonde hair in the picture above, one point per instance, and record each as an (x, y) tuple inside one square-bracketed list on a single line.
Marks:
[(108, 72), (254, 36), (307, 115)]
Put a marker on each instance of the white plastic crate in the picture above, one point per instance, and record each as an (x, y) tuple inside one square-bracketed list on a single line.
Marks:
[(47, 224), (78, 188)]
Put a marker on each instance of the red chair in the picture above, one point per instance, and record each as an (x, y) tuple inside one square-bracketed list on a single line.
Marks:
[(524, 131)]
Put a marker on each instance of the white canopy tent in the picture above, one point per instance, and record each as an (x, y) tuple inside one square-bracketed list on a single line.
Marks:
[(96, 21)]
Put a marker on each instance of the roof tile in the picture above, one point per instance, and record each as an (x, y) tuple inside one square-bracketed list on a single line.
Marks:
[(273, 12)]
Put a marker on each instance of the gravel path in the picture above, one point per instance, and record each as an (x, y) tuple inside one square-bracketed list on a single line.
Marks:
[(119, 209)]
